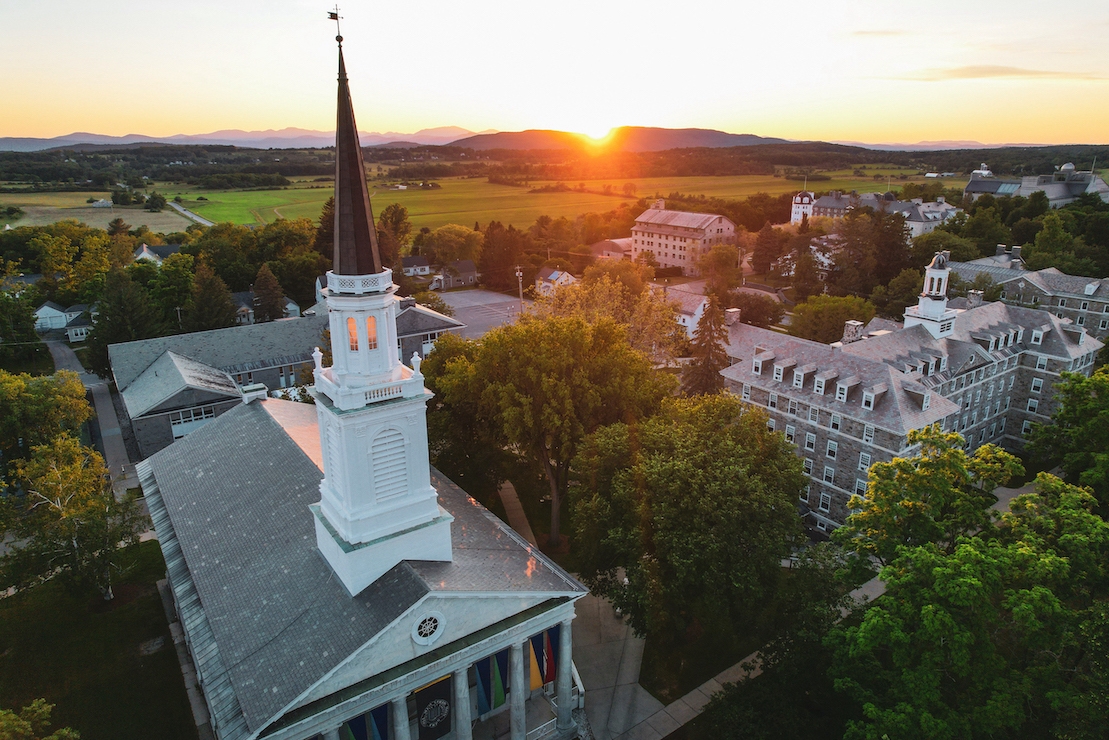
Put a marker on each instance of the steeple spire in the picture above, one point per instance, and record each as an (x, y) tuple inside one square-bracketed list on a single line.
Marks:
[(356, 251)]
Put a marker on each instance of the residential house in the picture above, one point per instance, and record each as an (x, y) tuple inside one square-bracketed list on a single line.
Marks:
[(245, 302), (690, 300), (329, 582), (415, 265), (549, 279), (802, 206), (458, 274), (50, 316), (157, 253), (419, 326), (678, 238), (987, 371), (920, 217), (612, 249)]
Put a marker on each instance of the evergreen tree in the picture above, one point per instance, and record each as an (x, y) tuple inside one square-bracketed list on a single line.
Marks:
[(766, 249), (269, 299), (212, 307), (324, 243), (702, 376), (806, 276), (126, 313)]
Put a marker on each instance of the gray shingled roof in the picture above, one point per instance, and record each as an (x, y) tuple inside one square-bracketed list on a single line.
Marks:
[(1055, 282), (284, 342), (169, 375), (969, 270), (419, 319), (240, 541), (681, 219)]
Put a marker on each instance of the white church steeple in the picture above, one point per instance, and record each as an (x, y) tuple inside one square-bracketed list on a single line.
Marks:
[(931, 309), (377, 506)]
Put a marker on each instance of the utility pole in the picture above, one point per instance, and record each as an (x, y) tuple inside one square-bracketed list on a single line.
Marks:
[(520, 280)]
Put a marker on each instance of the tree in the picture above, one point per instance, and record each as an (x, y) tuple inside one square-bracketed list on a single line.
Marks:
[(33, 409), (649, 318), (629, 189), (269, 300), (891, 300), (632, 275), (758, 310), (118, 226), (702, 375), (172, 288), (821, 318), (720, 265), (807, 281), (500, 254), (324, 242), (935, 497), (548, 382), (32, 723), (985, 229), (453, 242), (925, 247), (1078, 436), (17, 327), (766, 250), (126, 314), (212, 307), (434, 301), (69, 523), (156, 202), (695, 507), (1053, 245), (393, 230)]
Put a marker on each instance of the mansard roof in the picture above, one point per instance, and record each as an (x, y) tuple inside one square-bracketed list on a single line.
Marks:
[(267, 615)]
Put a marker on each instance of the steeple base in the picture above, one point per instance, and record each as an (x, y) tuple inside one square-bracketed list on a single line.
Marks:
[(357, 566)]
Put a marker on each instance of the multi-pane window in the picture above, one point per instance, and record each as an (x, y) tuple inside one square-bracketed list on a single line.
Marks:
[(772, 401), (818, 386), (807, 465), (792, 408), (829, 474), (833, 447), (777, 372), (868, 434), (756, 367), (868, 401), (1026, 427), (1041, 363), (1012, 378), (791, 432), (864, 461), (841, 392), (860, 486), (825, 502), (746, 392), (1037, 384), (814, 414), (798, 379), (1033, 404), (770, 424), (836, 422), (810, 441)]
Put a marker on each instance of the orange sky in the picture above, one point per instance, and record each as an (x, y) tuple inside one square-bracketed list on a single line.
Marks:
[(991, 71)]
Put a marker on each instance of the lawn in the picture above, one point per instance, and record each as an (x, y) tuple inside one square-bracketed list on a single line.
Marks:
[(47, 208), (83, 655), (39, 363)]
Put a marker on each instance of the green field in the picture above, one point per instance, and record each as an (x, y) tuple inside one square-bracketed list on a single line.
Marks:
[(461, 201)]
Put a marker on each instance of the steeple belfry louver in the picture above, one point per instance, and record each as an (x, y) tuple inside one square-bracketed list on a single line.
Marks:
[(356, 251)]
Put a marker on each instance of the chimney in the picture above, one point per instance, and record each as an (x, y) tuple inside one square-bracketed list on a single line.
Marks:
[(659, 205), (852, 331), (999, 250), (1016, 253), (255, 392), (940, 200), (731, 316), (974, 299)]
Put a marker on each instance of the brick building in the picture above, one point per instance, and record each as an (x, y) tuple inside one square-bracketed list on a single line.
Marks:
[(987, 371), (678, 238)]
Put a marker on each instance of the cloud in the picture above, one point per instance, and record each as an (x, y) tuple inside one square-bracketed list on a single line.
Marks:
[(880, 33), (994, 72)]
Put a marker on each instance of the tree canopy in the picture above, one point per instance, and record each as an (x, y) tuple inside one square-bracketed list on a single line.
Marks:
[(702, 375), (821, 317)]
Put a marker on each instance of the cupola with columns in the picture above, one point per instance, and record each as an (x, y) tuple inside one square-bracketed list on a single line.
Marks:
[(931, 310), (377, 505)]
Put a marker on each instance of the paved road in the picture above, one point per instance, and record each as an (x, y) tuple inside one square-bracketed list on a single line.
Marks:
[(115, 453), (482, 310), (190, 215)]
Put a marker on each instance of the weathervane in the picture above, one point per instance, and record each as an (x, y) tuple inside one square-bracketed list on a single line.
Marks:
[(334, 16)]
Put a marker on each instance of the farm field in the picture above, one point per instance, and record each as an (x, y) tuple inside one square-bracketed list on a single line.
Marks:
[(461, 201)]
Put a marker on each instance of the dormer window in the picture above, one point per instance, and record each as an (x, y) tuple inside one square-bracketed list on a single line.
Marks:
[(993, 344), (841, 392), (778, 373), (868, 400), (818, 386), (943, 366), (798, 379), (756, 367), (931, 366), (926, 402), (1037, 336)]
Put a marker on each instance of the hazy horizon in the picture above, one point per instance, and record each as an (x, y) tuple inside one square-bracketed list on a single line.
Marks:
[(868, 72)]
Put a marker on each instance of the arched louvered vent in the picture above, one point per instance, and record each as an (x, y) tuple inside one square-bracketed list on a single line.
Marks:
[(390, 466), (333, 458)]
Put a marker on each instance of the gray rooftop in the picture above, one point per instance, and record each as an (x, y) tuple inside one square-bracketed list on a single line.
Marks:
[(169, 375), (680, 219), (240, 541), (235, 349), (418, 319)]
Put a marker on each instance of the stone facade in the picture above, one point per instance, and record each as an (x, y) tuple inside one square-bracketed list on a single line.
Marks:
[(678, 238)]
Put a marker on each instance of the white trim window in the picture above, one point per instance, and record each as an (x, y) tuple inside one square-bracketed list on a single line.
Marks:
[(807, 466), (825, 502), (1026, 427), (798, 379), (791, 432), (829, 474), (756, 367), (772, 401), (1033, 405), (770, 424), (835, 422), (818, 386), (868, 401), (864, 461), (860, 487), (791, 407), (814, 414), (1037, 385), (810, 441), (1037, 336), (868, 434), (841, 392), (833, 449), (746, 392), (778, 373)]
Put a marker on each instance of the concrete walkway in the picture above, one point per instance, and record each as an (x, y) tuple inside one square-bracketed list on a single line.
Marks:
[(115, 452)]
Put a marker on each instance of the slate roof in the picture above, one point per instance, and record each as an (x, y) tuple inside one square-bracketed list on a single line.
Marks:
[(611, 245), (266, 615), (895, 410), (169, 375), (416, 260), (418, 319), (1055, 282), (235, 349), (463, 266), (969, 270), (680, 219), (52, 305), (688, 303)]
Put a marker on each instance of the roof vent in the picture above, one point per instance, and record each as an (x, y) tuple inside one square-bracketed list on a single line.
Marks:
[(255, 392)]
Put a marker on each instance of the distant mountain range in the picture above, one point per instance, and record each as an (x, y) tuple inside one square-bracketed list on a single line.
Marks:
[(286, 138), (624, 138)]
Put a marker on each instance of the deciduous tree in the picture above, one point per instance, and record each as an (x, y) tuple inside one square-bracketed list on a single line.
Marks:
[(126, 313), (821, 317), (32, 723), (212, 307), (33, 409)]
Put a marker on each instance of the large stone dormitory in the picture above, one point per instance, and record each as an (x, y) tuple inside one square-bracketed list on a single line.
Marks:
[(987, 371), (329, 583)]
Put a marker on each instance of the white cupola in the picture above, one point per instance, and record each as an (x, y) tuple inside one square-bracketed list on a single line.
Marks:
[(377, 505), (931, 309)]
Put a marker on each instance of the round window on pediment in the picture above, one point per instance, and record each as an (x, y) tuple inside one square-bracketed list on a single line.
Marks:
[(427, 628)]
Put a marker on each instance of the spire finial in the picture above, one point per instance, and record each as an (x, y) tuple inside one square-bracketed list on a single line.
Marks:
[(334, 16)]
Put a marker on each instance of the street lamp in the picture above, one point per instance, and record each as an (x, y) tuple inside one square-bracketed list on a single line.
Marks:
[(520, 280)]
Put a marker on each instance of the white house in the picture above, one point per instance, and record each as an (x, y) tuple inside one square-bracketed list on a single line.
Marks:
[(690, 300), (548, 280), (415, 265), (802, 206), (50, 316), (156, 254)]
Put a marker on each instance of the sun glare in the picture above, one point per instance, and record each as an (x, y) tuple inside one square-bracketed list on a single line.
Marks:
[(599, 135)]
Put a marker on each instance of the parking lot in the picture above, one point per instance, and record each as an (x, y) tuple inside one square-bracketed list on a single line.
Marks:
[(482, 310)]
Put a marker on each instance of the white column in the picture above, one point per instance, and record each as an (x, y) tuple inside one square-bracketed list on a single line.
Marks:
[(518, 692), (462, 728), (565, 678), (400, 718), (332, 734)]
